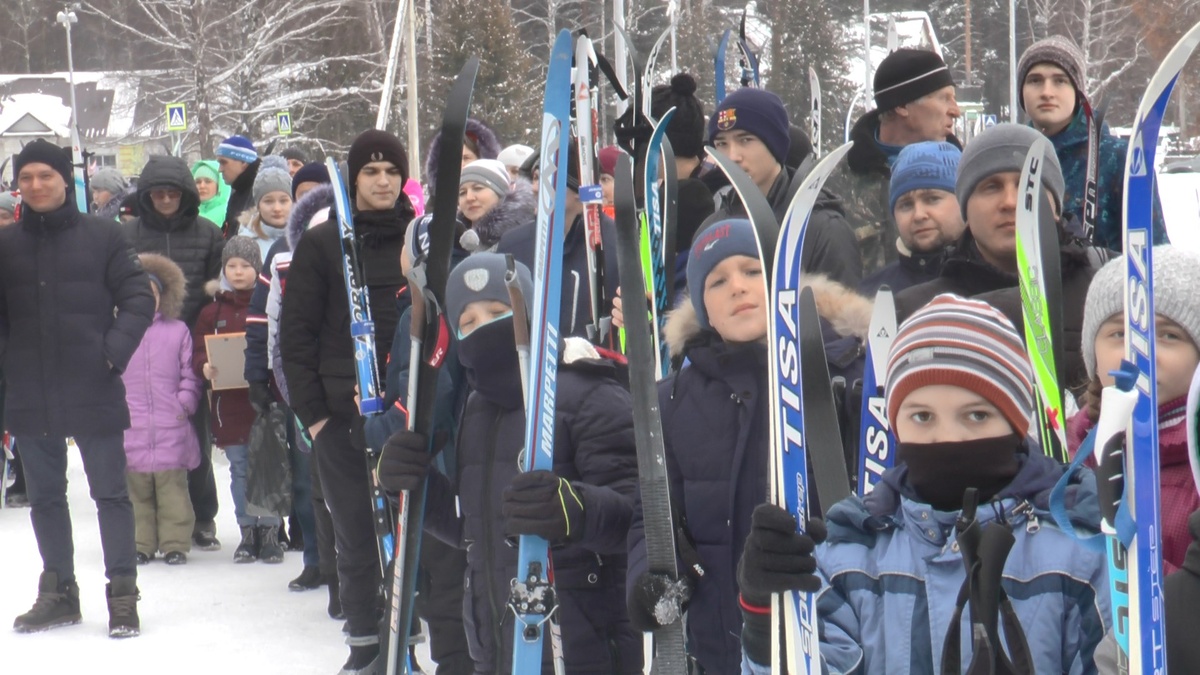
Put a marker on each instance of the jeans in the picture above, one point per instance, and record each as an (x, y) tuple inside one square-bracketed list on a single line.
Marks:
[(45, 463), (239, 462)]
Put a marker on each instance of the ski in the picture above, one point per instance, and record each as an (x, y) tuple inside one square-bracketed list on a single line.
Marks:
[(670, 657), (590, 192), (1091, 191), (533, 601), (876, 443), (79, 168), (670, 243), (430, 339), (814, 119), (719, 64), (1040, 280), (748, 60), (789, 483), (1147, 639), (653, 224)]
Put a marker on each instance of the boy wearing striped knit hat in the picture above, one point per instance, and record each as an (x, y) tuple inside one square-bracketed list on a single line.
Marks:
[(889, 571)]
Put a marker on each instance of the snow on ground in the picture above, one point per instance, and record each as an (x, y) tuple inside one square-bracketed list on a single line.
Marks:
[(209, 616)]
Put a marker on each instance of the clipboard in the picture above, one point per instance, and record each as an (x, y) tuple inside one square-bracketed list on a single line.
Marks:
[(227, 353)]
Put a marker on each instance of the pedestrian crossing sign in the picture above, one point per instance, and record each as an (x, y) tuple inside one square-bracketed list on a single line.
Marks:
[(176, 117), (989, 121), (283, 122)]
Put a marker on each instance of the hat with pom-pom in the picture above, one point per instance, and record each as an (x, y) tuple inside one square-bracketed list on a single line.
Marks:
[(272, 176), (686, 129)]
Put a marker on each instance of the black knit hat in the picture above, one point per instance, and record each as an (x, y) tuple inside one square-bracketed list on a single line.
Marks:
[(294, 153), (686, 130), (374, 145), (56, 157), (908, 74)]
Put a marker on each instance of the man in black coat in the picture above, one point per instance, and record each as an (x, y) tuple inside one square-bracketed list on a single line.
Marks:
[(239, 162), (74, 303), (171, 225), (319, 364), (751, 128)]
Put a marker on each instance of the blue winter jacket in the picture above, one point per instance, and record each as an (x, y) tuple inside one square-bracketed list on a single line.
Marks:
[(892, 574), (1070, 145)]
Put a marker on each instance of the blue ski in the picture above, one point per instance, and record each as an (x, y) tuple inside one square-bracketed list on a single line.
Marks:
[(533, 602), (661, 277), (876, 443), (719, 64), (1147, 637)]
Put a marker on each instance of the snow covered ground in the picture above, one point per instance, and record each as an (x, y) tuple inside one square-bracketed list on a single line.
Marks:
[(209, 616)]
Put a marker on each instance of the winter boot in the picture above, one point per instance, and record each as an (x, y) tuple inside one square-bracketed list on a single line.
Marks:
[(335, 598), (364, 654), (247, 551), (57, 605), (205, 537), (309, 579), (269, 548), (123, 619)]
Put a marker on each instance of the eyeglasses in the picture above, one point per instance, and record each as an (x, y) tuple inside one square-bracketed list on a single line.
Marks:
[(165, 193)]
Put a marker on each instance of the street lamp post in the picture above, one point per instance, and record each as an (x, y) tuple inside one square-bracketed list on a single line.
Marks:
[(66, 18)]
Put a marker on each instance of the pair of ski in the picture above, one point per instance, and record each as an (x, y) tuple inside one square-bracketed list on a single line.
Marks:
[(747, 60), (399, 546)]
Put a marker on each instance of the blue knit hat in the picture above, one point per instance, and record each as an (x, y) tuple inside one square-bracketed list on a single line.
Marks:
[(715, 243), (313, 172), (239, 148), (930, 165), (755, 111)]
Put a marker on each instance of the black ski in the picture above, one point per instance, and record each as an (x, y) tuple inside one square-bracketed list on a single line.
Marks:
[(822, 437)]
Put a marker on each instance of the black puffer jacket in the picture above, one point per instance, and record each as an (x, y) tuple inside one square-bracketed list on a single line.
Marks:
[(594, 449), (240, 198), (61, 346), (187, 239), (314, 325), (829, 244)]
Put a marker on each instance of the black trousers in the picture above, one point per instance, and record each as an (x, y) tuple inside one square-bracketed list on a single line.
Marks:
[(202, 484)]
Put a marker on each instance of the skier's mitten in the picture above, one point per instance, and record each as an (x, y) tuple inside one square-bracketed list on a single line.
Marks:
[(657, 600), (776, 557), (541, 503), (261, 397), (404, 461)]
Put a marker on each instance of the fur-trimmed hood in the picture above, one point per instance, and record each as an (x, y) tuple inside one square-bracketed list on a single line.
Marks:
[(174, 284), (313, 201), (517, 208), (846, 311), (484, 137)]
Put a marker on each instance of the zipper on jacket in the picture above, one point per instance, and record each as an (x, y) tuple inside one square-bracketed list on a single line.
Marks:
[(488, 552)]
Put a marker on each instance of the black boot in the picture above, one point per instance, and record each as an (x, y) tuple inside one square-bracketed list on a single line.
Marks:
[(57, 605), (309, 579), (123, 619), (335, 598), (247, 551), (269, 548), (204, 537), (364, 654)]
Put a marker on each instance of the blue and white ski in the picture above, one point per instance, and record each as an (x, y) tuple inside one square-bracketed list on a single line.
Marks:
[(655, 225), (876, 443), (533, 601), (1147, 636), (790, 482)]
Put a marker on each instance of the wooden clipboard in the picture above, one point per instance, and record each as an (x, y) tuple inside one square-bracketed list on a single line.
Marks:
[(227, 353)]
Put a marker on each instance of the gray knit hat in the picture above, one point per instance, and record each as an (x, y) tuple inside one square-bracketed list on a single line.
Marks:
[(272, 177), (1003, 148), (1057, 51), (481, 277), (244, 248), (1176, 278), (489, 172), (109, 179)]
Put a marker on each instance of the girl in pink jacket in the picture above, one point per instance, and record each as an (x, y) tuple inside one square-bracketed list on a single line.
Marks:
[(161, 446)]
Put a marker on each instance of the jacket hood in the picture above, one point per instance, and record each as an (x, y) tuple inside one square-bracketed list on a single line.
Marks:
[(223, 188), (846, 311), (172, 172), (174, 284), (485, 138), (517, 208), (300, 219), (112, 209)]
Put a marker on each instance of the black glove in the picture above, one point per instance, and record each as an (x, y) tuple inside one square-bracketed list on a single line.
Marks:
[(541, 503), (261, 397), (404, 461), (776, 558), (657, 600)]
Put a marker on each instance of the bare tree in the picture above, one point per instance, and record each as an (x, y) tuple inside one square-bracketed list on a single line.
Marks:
[(236, 63), (1105, 30)]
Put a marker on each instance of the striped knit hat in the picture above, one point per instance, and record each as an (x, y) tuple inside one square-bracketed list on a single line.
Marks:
[(964, 343), (239, 148)]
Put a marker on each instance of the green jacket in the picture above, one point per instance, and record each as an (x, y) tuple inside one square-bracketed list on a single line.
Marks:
[(214, 209)]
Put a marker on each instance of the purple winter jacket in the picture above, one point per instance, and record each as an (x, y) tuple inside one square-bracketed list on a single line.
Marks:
[(162, 391)]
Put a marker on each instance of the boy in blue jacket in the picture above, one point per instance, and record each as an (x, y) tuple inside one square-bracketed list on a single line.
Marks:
[(960, 401)]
